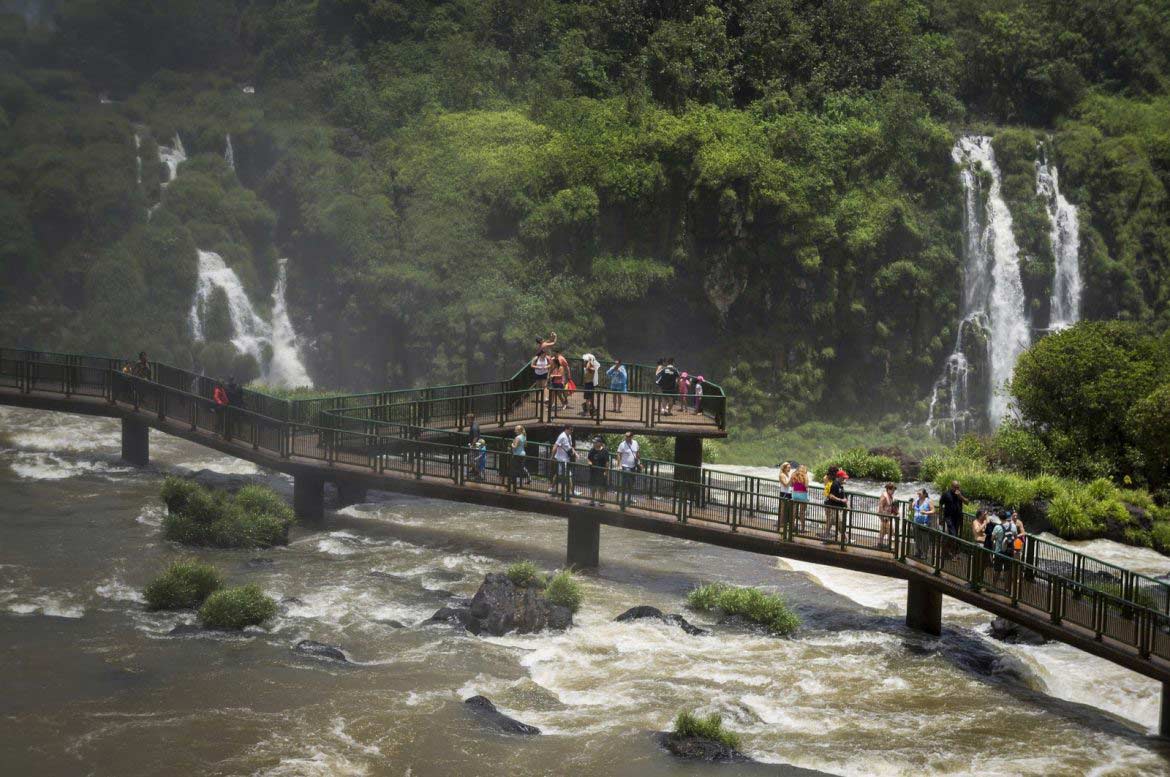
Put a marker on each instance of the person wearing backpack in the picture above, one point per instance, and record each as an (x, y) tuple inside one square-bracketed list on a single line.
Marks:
[(667, 380)]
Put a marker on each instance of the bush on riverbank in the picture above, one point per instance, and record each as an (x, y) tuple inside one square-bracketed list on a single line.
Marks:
[(184, 585), (235, 608), (256, 517), (525, 574), (688, 724), (860, 463), (768, 610), (564, 590)]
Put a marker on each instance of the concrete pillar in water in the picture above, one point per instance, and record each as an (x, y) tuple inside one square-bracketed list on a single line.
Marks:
[(135, 442), (309, 497), (1164, 717), (923, 608), (688, 451), (349, 494), (584, 546)]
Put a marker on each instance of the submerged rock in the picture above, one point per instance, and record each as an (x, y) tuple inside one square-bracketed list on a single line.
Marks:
[(188, 630), (308, 647), (500, 606), (483, 707), (646, 611), (700, 749), (1015, 634), (260, 561), (393, 623)]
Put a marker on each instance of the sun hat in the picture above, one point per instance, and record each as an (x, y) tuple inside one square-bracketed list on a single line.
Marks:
[(700, 378)]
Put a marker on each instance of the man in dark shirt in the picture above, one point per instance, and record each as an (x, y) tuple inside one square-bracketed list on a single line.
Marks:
[(835, 504), (598, 470), (952, 502), (668, 382), (472, 430)]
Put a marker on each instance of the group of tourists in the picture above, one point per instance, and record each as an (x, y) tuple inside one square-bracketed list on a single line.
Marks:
[(564, 456), (553, 372), (1000, 533)]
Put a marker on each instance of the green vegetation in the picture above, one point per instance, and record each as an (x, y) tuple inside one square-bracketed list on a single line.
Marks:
[(563, 589), (861, 464), (768, 610), (235, 608), (185, 584), (688, 724), (525, 574), (817, 441), (256, 517)]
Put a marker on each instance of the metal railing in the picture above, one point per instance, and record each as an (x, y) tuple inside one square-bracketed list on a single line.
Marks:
[(1064, 585)]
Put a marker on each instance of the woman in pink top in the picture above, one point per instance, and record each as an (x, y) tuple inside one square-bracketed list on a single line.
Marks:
[(800, 495)]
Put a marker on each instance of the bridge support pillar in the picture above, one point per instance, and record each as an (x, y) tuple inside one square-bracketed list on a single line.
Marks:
[(688, 451), (584, 546), (349, 494), (309, 497), (135, 442), (1164, 718), (923, 608)]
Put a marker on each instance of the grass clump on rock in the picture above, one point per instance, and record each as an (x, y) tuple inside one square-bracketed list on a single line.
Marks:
[(256, 517), (768, 610), (564, 590), (235, 608), (688, 725), (184, 585), (525, 574)]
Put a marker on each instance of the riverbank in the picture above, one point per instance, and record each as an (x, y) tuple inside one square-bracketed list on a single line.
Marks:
[(814, 441)]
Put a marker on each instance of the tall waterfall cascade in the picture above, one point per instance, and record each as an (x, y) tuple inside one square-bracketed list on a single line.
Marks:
[(1065, 238), (229, 154), (138, 158), (995, 327), (274, 344), (172, 156)]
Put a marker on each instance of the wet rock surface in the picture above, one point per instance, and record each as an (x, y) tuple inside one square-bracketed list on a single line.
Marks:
[(1015, 634), (500, 606), (700, 749), (483, 708), (645, 611), (308, 647)]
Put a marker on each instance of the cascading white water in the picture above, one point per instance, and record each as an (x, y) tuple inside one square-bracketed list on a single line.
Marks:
[(273, 345), (1065, 238), (172, 157), (993, 292), (138, 157), (229, 154)]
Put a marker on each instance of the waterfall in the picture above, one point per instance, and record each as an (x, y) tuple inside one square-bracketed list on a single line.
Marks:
[(172, 157), (138, 156), (229, 154), (274, 345), (1065, 238), (994, 305)]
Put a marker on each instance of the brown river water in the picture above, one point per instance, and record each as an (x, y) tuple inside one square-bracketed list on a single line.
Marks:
[(93, 684)]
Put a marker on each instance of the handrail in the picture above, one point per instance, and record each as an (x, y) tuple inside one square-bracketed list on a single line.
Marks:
[(1120, 602)]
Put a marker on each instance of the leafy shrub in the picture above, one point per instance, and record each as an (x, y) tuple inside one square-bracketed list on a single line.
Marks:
[(524, 574), (177, 491), (563, 589), (688, 724), (1160, 536), (184, 585), (1015, 448), (769, 610), (859, 463), (1069, 519), (255, 518), (235, 608)]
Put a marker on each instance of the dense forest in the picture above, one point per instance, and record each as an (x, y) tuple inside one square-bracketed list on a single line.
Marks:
[(763, 188)]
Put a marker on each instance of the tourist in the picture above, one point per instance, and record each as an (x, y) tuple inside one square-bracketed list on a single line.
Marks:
[(923, 513), (618, 381), (142, 368), (235, 392), (684, 388), (800, 495), (519, 469), (556, 383), (1005, 544), (589, 371), (561, 361), (952, 502), (667, 381), (979, 526), (830, 475), (564, 454), (472, 434), (697, 393), (785, 478), (545, 345), (1021, 535), (989, 542), (598, 470), (887, 511), (540, 367), (835, 504), (480, 458), (630, 459), (220, 397)]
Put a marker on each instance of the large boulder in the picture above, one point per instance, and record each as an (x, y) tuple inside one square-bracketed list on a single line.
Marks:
[(1015, 634), (646, 611), (308, 647), (501, 606), (911, 466), (700, 749), (484, 709)]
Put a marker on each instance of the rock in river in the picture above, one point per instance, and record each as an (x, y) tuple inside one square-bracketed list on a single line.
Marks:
[(487, 711), (1015, 634), (646, 611), (500, 606), (700, 749), (308, 647)]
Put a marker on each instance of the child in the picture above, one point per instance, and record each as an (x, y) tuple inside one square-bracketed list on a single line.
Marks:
[(697, 390), (480, 458), (684, 386)]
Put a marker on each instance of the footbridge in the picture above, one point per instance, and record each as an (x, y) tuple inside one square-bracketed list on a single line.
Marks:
[(415, 441)]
